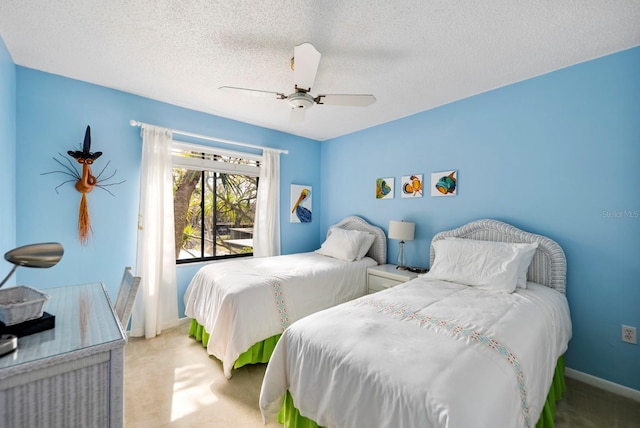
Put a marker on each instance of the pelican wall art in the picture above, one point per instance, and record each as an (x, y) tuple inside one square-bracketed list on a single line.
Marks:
[(300, 204), (444, 183)]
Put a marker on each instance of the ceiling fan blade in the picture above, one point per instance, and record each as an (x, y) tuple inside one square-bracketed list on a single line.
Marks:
[(252, 92), (305, 65), (346, 100), (297, 115)]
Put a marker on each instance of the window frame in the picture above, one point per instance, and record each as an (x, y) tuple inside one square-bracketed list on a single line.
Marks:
[(217, 166)]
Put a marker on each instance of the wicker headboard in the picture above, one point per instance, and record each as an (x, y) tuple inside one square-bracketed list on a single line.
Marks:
[(378, 250), (549, 265)]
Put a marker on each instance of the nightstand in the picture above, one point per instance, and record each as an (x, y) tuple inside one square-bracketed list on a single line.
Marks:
[(386, 276)]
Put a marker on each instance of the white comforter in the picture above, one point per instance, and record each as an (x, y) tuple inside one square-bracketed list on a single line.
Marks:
[(244, 301), (426, 353)]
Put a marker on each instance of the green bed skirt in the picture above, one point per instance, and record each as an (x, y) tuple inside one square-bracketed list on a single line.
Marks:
[(291, 418), (258, 353)]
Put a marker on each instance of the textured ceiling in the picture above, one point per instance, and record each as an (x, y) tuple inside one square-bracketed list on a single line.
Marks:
[(412, 55)]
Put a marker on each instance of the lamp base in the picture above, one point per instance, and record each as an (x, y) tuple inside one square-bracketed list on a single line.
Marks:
[(400, 264), (45, 322), (8, 343)]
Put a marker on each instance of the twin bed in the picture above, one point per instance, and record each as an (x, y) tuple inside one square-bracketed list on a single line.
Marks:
[(239, 308), (477, 341)]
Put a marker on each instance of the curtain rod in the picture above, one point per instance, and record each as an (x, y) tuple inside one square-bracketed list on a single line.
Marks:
[(206, 137)]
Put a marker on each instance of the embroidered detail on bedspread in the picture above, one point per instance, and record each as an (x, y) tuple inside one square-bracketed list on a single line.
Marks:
[(278, 295), (404, 313)]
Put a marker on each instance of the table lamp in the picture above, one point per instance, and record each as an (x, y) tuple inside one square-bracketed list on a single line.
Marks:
[(17, 303), (404, 231), (43, 255)]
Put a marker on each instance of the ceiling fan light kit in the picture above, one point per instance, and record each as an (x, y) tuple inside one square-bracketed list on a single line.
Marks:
[(300, 100), (305, 65)]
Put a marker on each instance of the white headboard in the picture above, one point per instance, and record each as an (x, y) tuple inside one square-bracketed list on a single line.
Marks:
[(378, 250), (549, 265)]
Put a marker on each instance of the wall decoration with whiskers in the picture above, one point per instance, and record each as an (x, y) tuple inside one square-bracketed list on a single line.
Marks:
[(85, 181)]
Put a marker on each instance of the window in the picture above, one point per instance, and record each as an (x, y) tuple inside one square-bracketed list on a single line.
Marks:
[(214, 200)]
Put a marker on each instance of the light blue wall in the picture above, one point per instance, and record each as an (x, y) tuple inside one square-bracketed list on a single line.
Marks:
[(557, 155), (52, 114), (8, 156)]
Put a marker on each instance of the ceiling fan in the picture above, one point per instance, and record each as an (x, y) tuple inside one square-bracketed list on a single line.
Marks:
[(304, 64)]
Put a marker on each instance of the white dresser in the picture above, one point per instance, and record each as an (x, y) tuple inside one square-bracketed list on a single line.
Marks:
[(71, 375)]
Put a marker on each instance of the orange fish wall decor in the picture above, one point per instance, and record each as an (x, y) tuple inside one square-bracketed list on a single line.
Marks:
[(412, 186)]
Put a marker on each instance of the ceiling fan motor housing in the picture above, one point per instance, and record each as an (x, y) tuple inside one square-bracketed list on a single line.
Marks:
[(300, 100)]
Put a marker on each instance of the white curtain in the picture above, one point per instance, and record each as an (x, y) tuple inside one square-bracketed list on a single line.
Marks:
[(266, 235), (156, 306)]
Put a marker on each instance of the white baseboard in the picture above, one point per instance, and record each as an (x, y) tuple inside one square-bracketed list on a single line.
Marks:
[(615, 388)]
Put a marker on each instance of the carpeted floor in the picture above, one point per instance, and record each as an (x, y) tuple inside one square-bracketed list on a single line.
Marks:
[(170, 381)]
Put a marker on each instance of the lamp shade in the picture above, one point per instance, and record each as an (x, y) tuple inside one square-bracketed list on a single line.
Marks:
[(402, 230), (43, 255)]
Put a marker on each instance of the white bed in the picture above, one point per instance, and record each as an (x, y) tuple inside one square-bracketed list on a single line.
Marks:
[(243, 302), (431, 353)]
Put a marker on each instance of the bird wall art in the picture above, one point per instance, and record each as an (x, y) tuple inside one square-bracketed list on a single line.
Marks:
[(85, 181), (301, 204)]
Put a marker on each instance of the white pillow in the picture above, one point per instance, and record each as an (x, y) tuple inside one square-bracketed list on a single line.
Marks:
[(346, 244), (484, 264), (525, 256), (366, 241), (525, 251)]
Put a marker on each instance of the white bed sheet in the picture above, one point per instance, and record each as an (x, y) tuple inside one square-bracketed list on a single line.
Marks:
[(244, 301), (420, 354)]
